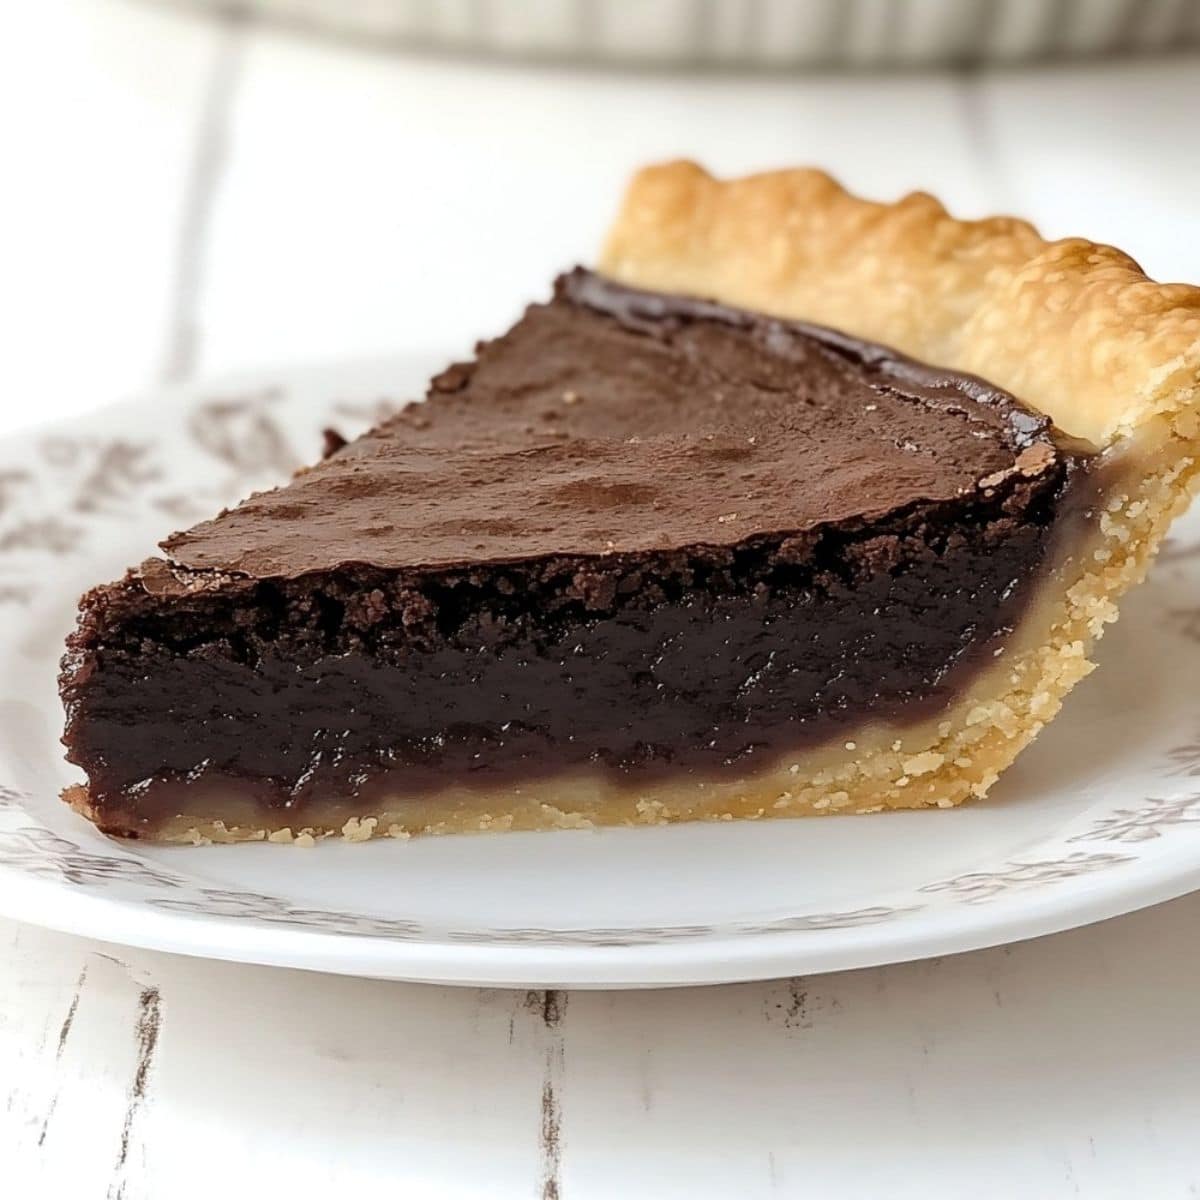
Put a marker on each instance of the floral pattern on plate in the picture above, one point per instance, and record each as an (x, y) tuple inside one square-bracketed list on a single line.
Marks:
[(76, 504)]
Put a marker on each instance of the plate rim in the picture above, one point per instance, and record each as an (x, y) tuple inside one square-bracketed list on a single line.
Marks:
[(719, 956), (699, 962)]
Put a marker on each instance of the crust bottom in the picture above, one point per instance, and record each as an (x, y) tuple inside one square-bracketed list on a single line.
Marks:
[(939, 763), (1074, 329)]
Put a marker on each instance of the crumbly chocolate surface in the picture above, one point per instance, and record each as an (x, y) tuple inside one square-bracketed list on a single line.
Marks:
[(611, 421), (638, 534)]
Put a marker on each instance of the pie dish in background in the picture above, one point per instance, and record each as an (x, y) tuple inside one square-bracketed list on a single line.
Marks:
[(768, 33), (652, 558)]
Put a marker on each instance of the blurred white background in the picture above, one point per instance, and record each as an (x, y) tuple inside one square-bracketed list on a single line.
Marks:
[(189, 198)]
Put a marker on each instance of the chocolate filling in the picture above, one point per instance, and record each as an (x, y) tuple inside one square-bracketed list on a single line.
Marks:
[(638, 535)]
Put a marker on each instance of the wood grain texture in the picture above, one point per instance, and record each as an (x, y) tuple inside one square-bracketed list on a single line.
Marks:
[(1060, 1067), (339, 205)]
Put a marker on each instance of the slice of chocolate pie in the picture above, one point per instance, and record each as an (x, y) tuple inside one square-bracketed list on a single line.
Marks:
[(704, 536)]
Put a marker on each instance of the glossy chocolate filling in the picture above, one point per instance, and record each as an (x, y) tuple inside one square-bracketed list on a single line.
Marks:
[(638, 535)]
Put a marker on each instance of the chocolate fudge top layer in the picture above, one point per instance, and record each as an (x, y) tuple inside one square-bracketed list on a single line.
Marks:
[(637, 533), (611, 420)]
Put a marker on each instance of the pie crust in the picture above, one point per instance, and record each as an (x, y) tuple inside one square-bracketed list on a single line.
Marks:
[(1073, 329)]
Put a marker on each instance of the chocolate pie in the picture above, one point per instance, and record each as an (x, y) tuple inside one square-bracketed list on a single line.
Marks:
[(801, 505)]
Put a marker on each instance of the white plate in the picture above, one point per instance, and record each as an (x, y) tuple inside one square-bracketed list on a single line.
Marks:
[(1100, 817)]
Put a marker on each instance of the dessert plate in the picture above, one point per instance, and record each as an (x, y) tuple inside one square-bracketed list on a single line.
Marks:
[(1100, 817)]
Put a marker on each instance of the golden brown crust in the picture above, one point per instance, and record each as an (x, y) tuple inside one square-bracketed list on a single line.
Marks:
[(935, 763), (1070, 327)]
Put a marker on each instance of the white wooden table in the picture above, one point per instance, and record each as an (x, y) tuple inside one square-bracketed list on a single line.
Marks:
[(185, 198)]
